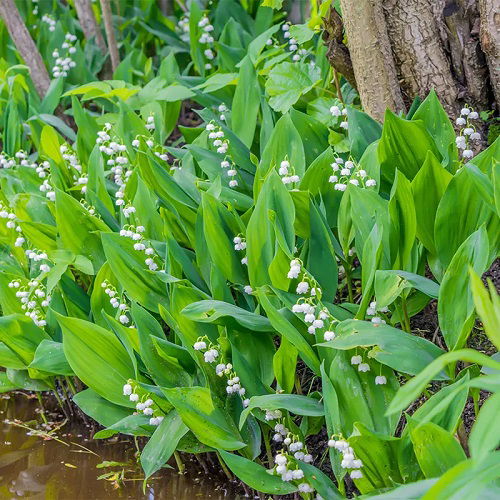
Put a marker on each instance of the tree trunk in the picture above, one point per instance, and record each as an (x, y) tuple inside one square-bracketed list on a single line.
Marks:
[(490, 41), (25, 45), (110, 33), (89, 23), (371, 56), (405, 48), (418, 51)]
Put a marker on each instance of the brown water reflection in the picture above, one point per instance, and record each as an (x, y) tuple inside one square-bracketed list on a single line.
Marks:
[(34, 468)]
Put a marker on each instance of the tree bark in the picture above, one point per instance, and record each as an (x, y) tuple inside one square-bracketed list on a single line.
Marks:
[(409, 47), (418, 51), (490, 42), (337, 52), (110, 33), (89, 23), (371, 55), (25, 45)]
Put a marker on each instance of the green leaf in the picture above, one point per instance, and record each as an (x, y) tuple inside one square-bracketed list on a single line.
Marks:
[(410, 391), (438, 125), (460, 213), (142, 285), (474, 478), (286, 329), (207, 422), (88, 348), (222, 313), (403, 222), (284, 365), (162, 443), (363, 131), (436, 449), (300, 405), (256, 476), (100, 409), (246, 103), (404, 145), (485, 434), (455, 304), (287, 81), (220, 228), (392, 347), (49, 357), (82, 238), (319, 481), (428, 187), (487, 306)]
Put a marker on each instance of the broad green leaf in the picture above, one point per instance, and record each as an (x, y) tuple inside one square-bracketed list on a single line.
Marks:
[(391, 346), (256, 476), (404, 145), (473, 478), (428, 187), (49, 357), (485, 434), (100, 409), (246, 103), (287, 81), (162, 443), (436, 449), (88, 348), (456, 304), (295, 403), (487, 302), (410, 391), (207, 422), (222, 313)]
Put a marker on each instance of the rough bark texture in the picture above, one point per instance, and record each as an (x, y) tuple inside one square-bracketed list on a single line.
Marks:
[(489, 11), (337, 52), (25, 45), (413, 46), (418, 51), (371, 56), (110, 33), (89, 23)]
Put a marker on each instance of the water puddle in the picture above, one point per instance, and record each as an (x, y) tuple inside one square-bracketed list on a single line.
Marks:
[(34, 467)]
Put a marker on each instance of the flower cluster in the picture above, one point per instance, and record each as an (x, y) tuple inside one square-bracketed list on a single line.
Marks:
[(116, 301), (338, 111), (345, 173), (183, 24), (349, 460), (11, 223), (293, 45), (286, 460), (64, 62), (135, 233), (150, 122), (46, 18), (222, 108), (207, 39), (20, 159), (143, 402), (240, 244), (315, 314), (210, 355), (33, 299), (47, 188), (372, 311), (357, 360), (37, 256), (468, 132), (216, 134), (287, 173)]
